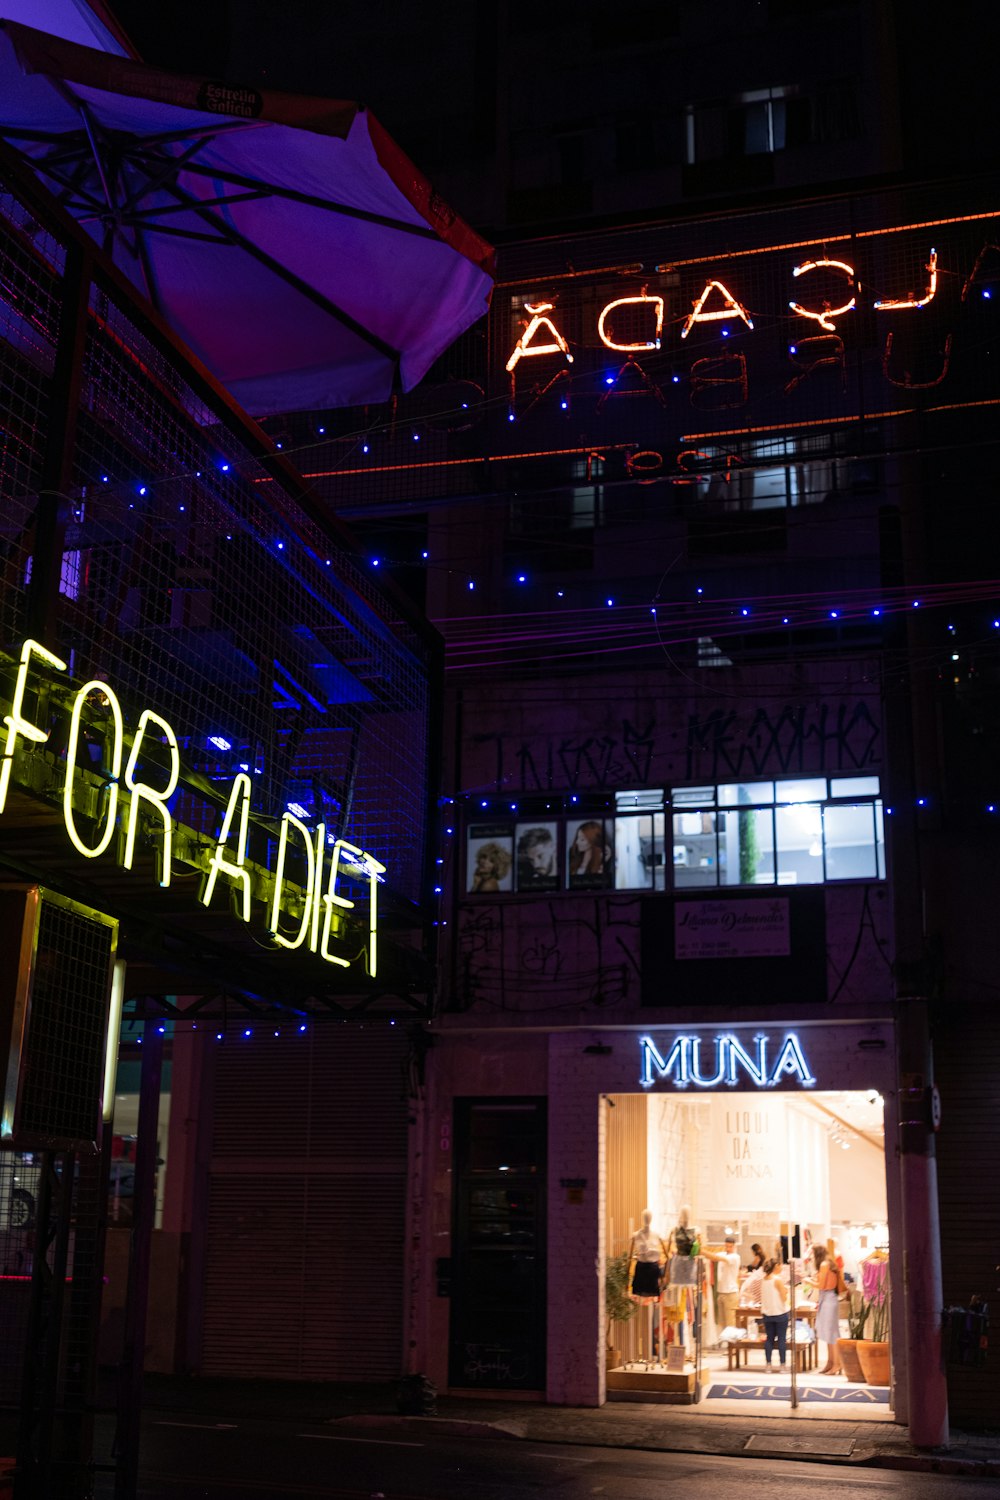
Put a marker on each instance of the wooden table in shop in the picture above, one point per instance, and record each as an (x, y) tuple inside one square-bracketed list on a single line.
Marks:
[(805, 1354)]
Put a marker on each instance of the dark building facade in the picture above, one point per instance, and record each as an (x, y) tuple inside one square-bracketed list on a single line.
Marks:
[(718, 661), (704, 514)]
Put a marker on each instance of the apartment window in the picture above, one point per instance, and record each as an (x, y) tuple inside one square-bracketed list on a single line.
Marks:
[(764, 121), (807, 831), (751, 124), (810, 830)]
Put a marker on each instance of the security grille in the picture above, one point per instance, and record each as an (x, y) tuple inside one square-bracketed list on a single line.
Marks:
[(62, 1058), (54, 996), (306, 1219)]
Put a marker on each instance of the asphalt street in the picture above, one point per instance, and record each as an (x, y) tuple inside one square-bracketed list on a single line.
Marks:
[(277, 1460)]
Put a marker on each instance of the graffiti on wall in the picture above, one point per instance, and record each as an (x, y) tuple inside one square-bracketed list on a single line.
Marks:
[(824, 737), (819, 737), (600, 759), (513, 958)]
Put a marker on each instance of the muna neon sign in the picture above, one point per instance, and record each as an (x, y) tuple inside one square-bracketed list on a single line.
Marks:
[(690, 1060), (125, 806)]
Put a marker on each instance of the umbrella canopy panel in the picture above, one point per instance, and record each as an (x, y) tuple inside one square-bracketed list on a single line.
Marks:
[(287, 240)]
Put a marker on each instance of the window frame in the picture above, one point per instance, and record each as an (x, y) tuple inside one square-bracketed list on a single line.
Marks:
[(573, 816)]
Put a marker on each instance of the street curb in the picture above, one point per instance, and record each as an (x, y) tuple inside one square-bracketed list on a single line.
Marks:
[(930, 1463), (452, 1426), (915, 1463)]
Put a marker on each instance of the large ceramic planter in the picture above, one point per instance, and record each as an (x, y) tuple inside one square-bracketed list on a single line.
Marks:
[(847, 1353), (612, 1358), (874, 1358)]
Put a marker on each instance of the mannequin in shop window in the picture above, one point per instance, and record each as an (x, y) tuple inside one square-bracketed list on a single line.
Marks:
[(647, 1257), (828, 1280), (685, 1244)]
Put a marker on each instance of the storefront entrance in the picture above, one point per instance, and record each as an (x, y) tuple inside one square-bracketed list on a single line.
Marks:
[(783, 1171)]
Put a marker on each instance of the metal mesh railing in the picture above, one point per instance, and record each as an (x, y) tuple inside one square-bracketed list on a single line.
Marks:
[(718, 386), (197, 577)]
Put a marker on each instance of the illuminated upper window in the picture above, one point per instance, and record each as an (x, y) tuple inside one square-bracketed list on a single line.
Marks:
[(802, 830)]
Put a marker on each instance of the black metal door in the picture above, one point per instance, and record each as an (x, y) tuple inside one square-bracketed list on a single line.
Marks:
[(498, 1257)]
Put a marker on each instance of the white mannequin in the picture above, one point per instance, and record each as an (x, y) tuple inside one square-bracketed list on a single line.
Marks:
[(647, 1253), (647, 1245)]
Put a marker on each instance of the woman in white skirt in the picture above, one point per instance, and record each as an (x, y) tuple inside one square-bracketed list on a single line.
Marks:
[(827, 1313)]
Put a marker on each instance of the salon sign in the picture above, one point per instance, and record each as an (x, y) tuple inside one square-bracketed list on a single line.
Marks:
[(722, 1060)]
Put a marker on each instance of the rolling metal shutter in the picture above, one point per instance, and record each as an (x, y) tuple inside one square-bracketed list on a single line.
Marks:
[(304, 1262)]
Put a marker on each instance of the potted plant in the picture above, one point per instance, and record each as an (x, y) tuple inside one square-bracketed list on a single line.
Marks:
[(873, 1352), (618, 1305), (847, 1349)]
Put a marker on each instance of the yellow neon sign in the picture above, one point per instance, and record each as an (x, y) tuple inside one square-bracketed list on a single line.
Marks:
[(18, 727), (239, 797), (289, 821), (154, 742), (143, 792), (331, 899), (115, 769)]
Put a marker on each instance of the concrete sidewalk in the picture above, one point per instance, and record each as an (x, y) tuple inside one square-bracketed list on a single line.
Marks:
[(677, 1429)]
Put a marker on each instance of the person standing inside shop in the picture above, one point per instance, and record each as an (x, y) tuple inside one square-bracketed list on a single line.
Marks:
[(828, 1285), (727, 1291), (774, 1306)]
